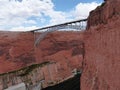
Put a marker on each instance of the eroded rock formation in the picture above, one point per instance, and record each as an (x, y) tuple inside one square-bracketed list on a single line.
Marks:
[(16, 50), (105, 14), (63, 50), (102, 47)]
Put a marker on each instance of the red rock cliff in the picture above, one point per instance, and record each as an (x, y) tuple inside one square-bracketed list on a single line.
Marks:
[(102, 47), (108, 12), (16, 50), (63, 50)]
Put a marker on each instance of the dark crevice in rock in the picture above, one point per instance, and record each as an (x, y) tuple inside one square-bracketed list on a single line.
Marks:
[(71, 84)]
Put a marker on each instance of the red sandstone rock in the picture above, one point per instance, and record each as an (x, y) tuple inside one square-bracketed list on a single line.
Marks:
[(108, 12), (64, 50), (102, 47), (16, 50)]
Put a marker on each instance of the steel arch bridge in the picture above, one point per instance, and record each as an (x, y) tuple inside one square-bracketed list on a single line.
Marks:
[(44, 31)]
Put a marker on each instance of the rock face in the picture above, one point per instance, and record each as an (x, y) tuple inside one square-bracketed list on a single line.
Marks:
[(16, 50), (65, 51), (102, 47), (17, 53), (61, 47), (108, 12)]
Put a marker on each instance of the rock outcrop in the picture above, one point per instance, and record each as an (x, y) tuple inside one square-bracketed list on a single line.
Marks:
[(102, 47), (107, 13), (20, 58), (16, 50)]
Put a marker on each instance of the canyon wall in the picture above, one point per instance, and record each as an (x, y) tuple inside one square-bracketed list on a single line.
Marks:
[(102, 48), (20, 59), (16, 50)]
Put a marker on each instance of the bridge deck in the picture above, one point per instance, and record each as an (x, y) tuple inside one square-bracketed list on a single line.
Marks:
[(76, 25)]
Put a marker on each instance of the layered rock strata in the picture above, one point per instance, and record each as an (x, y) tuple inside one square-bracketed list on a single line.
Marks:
[(20, 58), (102, 47)]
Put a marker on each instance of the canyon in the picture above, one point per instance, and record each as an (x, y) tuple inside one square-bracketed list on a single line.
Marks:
[(94, 53), (55, 59)]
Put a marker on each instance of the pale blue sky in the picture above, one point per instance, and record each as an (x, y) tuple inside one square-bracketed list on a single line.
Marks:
[(20, 15), (66, 5)]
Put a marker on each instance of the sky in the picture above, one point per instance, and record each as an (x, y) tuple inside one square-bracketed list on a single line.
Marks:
[(25, 15)]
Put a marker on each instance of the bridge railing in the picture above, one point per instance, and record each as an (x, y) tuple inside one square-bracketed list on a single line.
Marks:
[(73, 25)]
